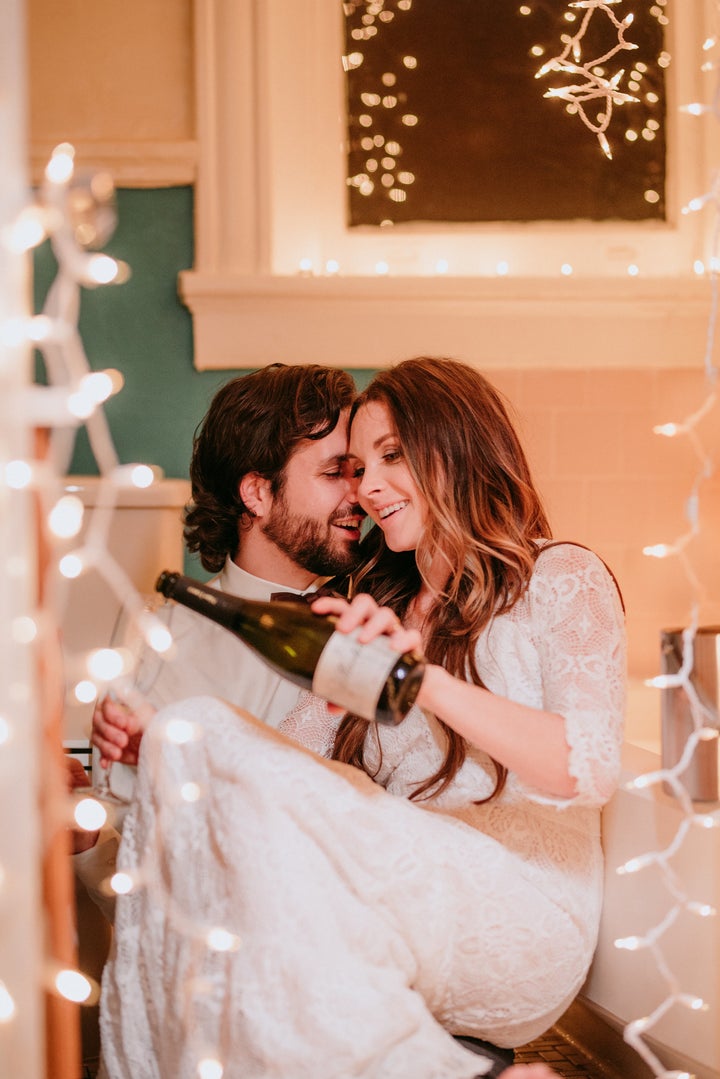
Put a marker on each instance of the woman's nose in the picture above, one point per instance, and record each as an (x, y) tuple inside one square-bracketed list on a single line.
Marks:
[(368, 483)]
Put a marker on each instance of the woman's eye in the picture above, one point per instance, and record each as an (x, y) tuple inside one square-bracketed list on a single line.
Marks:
[(357, 472), (391, 455)]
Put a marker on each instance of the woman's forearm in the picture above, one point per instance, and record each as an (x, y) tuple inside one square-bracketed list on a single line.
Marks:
[(528, 741)]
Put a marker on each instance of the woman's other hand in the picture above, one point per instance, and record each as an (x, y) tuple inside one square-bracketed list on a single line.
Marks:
[(372, 621)]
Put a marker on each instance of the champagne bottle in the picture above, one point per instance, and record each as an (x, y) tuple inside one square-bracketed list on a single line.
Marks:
[(371, 680)]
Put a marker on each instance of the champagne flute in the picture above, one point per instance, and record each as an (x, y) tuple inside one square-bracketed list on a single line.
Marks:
[(128, 666), (101, 788)]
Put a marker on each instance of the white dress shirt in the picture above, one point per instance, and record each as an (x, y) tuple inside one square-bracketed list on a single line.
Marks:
[(206, 660)]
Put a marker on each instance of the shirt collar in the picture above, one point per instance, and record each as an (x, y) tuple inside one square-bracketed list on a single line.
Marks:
[(238, 582)]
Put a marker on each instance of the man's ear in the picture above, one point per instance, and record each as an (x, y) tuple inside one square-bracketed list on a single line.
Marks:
[(255, 491)]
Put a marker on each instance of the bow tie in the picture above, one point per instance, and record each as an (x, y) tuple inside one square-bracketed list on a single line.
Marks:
[(294, 597), (306, 597)]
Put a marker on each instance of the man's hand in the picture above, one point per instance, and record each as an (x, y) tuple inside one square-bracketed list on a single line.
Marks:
[(77, 778), (76, 774), (117, 730)]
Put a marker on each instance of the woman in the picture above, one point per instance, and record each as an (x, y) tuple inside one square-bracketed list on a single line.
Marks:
[(463, 898)]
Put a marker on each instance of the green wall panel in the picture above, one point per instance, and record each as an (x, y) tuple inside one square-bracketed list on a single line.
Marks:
[(142, 328)]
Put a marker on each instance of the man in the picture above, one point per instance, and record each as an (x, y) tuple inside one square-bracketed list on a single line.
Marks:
[(271, 510)]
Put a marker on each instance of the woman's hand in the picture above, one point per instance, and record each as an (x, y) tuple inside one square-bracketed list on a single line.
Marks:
[(373, 621)]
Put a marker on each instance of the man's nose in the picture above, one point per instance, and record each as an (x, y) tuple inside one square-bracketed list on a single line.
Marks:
[(352, 485), (352, 481)]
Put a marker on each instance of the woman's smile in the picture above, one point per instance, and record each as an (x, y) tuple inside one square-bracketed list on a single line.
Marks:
[(382, 514), (387, 490)]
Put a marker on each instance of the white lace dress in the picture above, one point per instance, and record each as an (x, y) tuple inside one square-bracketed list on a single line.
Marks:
[(367, 928)]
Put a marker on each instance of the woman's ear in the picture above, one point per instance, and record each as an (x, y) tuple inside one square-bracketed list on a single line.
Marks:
[(255, 491)]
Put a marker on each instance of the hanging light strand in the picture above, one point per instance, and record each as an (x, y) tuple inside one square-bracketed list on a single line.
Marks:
[(77, 215), (704, 718), (594, 85)]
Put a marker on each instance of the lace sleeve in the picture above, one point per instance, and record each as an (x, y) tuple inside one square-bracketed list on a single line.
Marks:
[(579, 630), (312, 724)]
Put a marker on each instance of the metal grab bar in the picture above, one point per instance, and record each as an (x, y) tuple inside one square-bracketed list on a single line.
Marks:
[(690, 705)]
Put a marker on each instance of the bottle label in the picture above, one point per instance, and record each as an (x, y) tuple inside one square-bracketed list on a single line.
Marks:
[(352, 674)]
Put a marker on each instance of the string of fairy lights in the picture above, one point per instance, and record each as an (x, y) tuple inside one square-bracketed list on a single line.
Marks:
[(77, 214), (594, 84), (705, 720)]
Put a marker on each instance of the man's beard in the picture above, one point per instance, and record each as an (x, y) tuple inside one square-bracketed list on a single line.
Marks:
[(309, 542)]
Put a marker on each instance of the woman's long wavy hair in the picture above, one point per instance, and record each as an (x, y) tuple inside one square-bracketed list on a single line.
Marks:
[(484, 516), (254, 424)]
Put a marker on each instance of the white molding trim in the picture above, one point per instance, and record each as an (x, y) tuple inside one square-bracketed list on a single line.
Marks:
[(228, 190), (270, 190), (141, 163), (247, 322)]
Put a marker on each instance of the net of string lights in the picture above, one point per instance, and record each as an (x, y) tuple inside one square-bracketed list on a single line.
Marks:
[(678, 552), (76, 213), (589, 77)]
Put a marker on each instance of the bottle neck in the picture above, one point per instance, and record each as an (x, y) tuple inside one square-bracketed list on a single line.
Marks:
[(219, 606)]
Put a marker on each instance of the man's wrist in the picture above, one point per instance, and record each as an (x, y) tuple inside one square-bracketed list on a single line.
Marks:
[(82, 841)]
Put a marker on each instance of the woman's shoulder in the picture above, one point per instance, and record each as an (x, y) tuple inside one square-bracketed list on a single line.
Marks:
[(554, 555), (559, 560)]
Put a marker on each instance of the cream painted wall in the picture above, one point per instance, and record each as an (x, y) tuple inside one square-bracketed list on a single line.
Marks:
[(116, 80)]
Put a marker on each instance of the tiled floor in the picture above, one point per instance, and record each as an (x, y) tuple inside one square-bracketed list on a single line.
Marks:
[(568, 1060), (553, 1049)]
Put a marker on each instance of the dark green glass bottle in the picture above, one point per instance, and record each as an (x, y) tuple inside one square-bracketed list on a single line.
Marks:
[(371, 680)]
